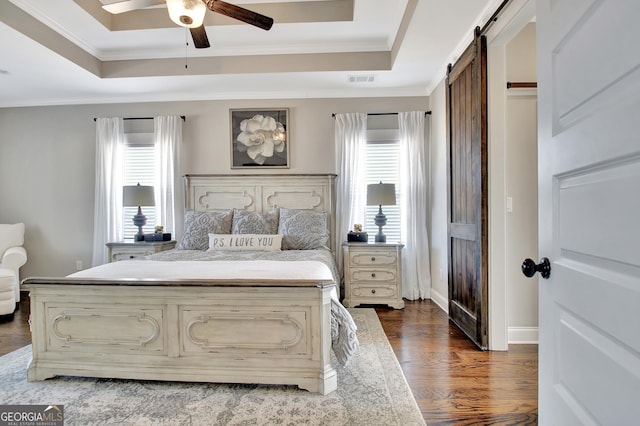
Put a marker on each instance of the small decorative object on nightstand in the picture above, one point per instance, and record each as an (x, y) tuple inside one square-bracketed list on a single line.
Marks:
[(357, 235), (373, 274), (130, 250)]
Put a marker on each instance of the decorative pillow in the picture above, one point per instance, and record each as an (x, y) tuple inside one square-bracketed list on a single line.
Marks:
[(198, 226), (303, 229), (245, 222), (261, 242)]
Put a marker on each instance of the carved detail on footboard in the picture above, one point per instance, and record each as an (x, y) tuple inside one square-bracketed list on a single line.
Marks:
[(92, 328), (95, 326), (259, 332)]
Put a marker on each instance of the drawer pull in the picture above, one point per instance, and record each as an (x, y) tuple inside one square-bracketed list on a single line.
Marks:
[(373, 259), (373, 275), (132, 257), (373, 291)]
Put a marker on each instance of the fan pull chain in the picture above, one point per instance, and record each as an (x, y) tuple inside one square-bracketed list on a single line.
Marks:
[(186, 46)]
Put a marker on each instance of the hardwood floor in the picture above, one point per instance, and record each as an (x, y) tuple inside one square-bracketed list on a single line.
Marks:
[(14, 333), (452, 381)]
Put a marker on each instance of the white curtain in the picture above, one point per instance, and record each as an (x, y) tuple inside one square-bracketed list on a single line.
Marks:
[(416, 272), (107, 223), (350, 140), (169, 197)]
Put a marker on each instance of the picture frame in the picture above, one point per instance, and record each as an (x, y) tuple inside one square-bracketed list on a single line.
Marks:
[(259, 138)]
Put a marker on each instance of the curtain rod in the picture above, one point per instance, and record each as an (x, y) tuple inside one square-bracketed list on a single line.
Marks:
[(382, 113), (521, 85), (143, 118)]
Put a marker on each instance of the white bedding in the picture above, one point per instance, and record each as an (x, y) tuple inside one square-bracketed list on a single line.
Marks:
[(224, 269)]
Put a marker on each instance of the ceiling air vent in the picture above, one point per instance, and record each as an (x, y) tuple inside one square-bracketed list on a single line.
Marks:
[(362, 78)]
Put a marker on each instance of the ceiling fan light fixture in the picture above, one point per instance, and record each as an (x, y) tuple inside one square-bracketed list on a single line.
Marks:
[(187, 13)]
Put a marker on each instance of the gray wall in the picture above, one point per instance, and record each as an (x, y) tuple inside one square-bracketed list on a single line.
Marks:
[(47, 161)]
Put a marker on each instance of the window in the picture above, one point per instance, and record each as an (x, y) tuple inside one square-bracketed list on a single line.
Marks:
[(139, 166), (383, 164)]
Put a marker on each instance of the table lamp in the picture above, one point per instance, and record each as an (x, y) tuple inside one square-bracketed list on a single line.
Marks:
[(138, 196), (381, 194)]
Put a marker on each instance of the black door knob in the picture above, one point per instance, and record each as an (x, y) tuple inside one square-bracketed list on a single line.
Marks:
[(529, 268)]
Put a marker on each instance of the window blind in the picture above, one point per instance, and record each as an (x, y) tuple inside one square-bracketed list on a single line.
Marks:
[(139, 167), (383, 165)]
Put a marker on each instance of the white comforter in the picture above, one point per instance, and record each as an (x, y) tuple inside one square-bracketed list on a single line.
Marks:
[(224, 269), (317, 265)]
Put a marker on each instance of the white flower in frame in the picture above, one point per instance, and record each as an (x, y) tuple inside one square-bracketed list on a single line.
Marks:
[(261, 136)]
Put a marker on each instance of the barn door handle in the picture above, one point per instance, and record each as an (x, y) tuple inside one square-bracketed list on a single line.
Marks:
[(529, 268)]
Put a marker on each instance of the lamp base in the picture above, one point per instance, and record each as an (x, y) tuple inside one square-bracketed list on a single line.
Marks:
[(139, 220), (380, 221)]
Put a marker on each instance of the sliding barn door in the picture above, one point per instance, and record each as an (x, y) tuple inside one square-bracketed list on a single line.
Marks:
[(466, 96)]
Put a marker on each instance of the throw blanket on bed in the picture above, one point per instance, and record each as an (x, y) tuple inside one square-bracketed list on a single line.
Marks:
[(287, 264)]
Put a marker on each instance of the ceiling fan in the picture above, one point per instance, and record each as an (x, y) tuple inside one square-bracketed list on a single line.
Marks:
[(190, 14)]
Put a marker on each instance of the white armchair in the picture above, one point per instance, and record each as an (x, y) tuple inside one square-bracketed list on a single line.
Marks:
[(12, 256)]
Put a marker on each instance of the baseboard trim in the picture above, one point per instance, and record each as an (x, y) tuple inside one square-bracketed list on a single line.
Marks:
[(515, 335), (523, 335), (440, 300)]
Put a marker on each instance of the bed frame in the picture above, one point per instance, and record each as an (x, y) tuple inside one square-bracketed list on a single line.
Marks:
[(235, 331)]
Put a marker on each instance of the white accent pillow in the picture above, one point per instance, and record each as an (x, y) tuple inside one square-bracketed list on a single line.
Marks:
[(260, 242)]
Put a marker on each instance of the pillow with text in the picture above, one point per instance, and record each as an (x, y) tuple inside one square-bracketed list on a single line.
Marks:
[(260, 242)]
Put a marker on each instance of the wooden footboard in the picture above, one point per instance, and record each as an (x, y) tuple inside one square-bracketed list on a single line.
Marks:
[(233, 331)]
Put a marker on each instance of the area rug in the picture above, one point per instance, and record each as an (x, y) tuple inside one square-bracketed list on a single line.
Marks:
[(371, 391)]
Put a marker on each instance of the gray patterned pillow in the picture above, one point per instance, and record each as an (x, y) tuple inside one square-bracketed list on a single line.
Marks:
[(198, 226), (303, 229), (245, 222)]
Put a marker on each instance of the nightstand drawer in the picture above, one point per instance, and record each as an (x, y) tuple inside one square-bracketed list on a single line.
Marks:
[(130, 250), (115, 257), (362, 274), (373, 291), (372, 257)]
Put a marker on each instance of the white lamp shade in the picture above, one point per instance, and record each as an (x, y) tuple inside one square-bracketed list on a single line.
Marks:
[(137, 195), (187, 13), (381, 194)]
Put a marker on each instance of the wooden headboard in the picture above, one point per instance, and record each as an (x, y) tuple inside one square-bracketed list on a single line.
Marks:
[(262, 193)]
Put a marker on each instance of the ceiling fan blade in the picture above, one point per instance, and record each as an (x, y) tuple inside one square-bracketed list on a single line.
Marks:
[(241, 14), (122, 6), (199, 36)]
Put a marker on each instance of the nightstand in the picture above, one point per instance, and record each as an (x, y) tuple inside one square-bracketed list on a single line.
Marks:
[(373, 274), (124, 250)]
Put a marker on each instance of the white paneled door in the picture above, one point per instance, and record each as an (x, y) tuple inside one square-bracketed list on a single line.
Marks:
[(589, 200)]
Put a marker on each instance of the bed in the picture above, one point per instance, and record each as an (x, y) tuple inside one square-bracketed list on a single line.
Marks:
[(245, 314)]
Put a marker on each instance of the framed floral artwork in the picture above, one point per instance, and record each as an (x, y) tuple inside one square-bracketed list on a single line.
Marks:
[(260, 138)]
